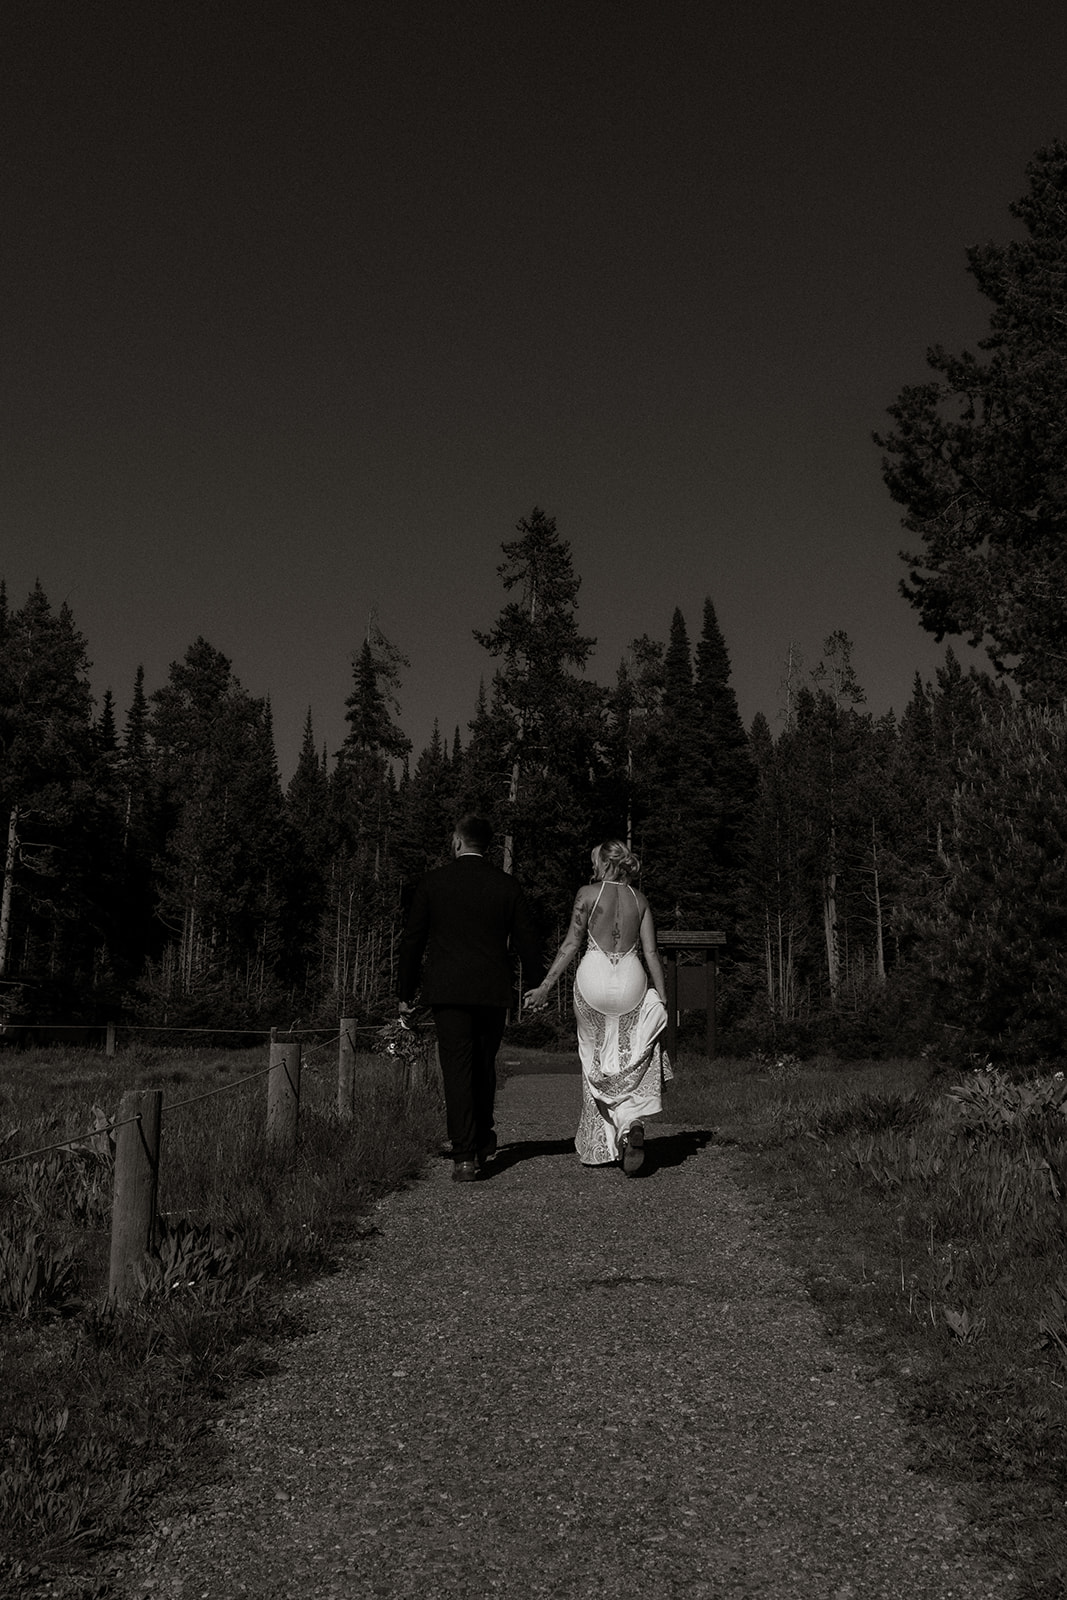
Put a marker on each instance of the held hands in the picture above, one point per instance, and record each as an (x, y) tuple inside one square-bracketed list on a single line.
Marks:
[(536, 999)]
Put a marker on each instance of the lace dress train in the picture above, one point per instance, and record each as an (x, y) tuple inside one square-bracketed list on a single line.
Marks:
[(620, 1023)]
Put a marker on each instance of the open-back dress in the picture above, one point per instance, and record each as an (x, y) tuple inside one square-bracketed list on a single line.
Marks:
[(620, 1027)]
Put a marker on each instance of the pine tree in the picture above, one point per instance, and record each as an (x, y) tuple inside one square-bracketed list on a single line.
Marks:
[(548, 719), (728, 777), (632, 713), (671, 834), (363, 912), (976, 456), (311, 840), (776, 910), (221, 810), (481, 774), (106, 731), (46, 795), (138, 934), (995, 950), (363, 778), (819, 880), (426, 813)]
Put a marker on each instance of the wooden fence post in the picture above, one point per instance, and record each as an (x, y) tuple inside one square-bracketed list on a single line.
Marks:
[(283, 1099), (346, 1069), (133, 1207)]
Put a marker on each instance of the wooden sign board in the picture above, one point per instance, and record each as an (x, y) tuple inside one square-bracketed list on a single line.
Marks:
[(691, 960), (692, 989)]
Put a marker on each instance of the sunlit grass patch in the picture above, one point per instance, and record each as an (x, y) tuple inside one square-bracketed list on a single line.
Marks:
[(928, 1219)]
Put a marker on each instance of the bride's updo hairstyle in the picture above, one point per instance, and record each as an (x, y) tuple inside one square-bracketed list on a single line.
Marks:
[(615, 860)]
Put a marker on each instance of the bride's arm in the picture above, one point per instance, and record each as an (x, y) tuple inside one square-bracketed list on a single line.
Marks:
[(651, 954), (566, 952)]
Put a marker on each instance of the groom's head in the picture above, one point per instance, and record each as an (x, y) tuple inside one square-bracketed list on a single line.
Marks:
[(472, 833)]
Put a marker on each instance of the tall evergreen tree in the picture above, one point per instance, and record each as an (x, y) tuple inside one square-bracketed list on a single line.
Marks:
[(427, 812), (820, 883), (548, 716), (138, 933), (633, 716), (364, 782), (482, 772), (311, 839), (777, 921), (728, 775), (976, 456), (995, 949), (672, 837), (216, 772), (46, 791), (364, 890), (106, 731)]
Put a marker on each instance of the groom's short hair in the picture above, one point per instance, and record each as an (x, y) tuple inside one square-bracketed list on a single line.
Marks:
[(474, 832)]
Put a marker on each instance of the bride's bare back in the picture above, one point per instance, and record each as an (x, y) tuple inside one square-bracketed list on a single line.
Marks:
[(614, 917)]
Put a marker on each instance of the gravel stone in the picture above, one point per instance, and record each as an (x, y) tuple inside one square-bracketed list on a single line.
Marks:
[(562, 1381)]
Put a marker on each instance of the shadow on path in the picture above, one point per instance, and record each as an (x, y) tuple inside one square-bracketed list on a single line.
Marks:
[(509, 1155), (672, 1149), (669, 1150)]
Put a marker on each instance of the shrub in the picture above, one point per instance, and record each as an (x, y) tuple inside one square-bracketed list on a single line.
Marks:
[(36, 1278)]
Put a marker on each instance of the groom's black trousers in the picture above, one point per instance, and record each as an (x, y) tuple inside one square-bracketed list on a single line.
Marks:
[(468, 1038)]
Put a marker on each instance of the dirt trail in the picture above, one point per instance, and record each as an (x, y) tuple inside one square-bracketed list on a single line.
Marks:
[(565, 1382)]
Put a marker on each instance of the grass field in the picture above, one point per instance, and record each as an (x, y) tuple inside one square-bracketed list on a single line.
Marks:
[(927, 1217), (99, 1406)]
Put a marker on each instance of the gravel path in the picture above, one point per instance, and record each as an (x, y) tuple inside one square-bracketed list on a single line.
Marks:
[(565, 1382)]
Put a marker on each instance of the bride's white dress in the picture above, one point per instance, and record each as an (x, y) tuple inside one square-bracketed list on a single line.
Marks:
[(620, 1027)]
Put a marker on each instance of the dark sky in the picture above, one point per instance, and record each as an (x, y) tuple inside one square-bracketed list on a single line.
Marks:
[(304, 307)]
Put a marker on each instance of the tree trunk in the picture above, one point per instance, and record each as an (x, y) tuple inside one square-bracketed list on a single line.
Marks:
[(513, 795), (829, 910), (9, 885), (337, 946), (879, 941), (829, 905), (186, 961), (513, 787)]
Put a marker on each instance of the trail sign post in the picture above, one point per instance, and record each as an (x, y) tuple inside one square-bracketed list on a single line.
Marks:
[(690, 966)]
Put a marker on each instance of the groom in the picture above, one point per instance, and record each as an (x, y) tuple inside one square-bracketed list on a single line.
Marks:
[(471, 920)]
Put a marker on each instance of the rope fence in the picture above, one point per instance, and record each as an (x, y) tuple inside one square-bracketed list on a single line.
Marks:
[(208, 1094), (64, 1144), (109, 1031), (137, 1128)]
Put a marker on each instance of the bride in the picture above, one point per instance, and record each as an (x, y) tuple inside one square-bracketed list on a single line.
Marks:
[(620, 1019)]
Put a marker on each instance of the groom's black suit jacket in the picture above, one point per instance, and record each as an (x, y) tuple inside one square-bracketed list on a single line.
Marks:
[(470, 919)]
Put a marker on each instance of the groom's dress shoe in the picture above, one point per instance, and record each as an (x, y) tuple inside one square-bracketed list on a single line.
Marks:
[(464, 1172)]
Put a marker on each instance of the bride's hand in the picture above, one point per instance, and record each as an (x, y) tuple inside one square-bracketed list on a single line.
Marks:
[(535, 998)]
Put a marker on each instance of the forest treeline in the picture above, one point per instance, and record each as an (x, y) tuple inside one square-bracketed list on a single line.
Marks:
[(883, 882)]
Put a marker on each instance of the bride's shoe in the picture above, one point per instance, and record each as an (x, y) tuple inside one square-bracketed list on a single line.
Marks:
[(632, 1146)]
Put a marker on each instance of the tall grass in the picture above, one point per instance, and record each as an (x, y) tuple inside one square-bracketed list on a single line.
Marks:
[(97, 1403), (929, 1218)]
